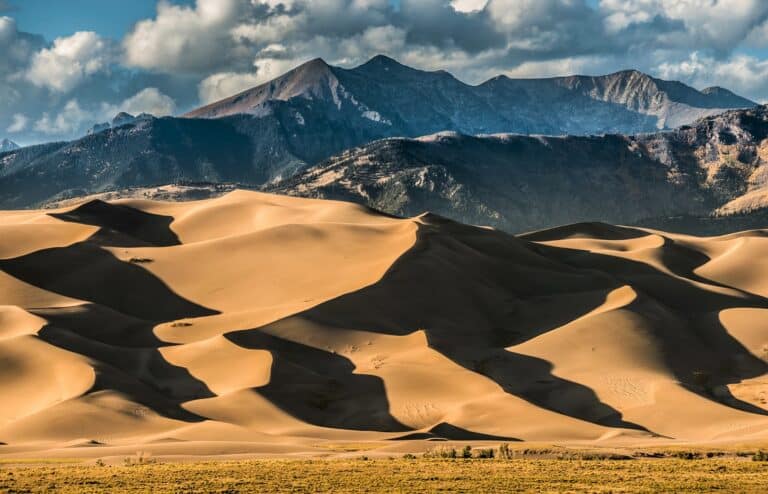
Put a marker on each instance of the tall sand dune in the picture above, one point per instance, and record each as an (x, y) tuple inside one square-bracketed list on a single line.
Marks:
[(286, 323)]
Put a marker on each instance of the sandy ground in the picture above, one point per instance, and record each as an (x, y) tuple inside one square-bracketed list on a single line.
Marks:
[(254, 324)]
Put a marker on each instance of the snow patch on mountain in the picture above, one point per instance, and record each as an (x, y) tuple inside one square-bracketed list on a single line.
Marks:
[(375, 116)]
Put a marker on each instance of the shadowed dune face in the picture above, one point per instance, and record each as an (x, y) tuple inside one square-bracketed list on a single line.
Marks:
[(254, 317), (122, 226)]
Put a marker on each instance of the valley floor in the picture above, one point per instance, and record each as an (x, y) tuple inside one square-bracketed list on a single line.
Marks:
[(729, 474)]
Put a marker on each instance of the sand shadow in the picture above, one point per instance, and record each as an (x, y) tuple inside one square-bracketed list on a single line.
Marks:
[(697, 348), (122, 226), (449, 432), (444, 286), (87, 272), (124, 301), (593, 230), (320, 387), (124, 352), (448, 286)]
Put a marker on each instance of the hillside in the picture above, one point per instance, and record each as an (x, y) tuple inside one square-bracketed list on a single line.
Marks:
[(269, 323), (155, 151), (715, 168)]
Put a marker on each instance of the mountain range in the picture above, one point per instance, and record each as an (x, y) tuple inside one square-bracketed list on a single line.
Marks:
[(386, 98), (122, 118), (404, 141), (714, 169)]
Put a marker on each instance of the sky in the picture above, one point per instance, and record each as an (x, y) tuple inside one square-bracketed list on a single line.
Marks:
[(67, 65)]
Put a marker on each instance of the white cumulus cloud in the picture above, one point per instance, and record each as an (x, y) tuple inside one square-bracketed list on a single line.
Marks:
[(225, 84), (743, 74), (19, 123), (149, 100), (69, 120), (69, 61), (181, 38)]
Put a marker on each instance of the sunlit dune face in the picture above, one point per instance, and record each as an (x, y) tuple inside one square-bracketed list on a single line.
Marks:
[(283, 321)]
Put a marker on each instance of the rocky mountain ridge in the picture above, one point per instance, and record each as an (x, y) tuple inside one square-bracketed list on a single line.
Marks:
[(716, 168), (392, 99)]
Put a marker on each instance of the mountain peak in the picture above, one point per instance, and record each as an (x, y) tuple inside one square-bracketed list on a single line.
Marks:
[(383, 63), (727, 96), (314, 69), (122, 118), (309, 79), (316, 63), (8, 145), (629, 74), (383, 60)]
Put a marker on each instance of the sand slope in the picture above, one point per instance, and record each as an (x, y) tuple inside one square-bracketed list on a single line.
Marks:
[(278, 321)]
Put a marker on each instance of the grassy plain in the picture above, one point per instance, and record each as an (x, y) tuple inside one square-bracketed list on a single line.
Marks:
[(385, 475)]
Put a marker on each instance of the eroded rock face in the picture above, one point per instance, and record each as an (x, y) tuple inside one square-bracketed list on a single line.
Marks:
[(715, 167)]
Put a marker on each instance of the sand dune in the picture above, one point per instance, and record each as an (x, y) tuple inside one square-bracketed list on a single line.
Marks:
[(283, 323)]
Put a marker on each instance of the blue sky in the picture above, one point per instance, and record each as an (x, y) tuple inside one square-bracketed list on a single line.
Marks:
[(55, 18), (69, 64)]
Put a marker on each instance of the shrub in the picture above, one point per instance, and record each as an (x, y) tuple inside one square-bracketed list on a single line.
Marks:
[(505, 453), (141, 458), (441, 452), (466, 452), (140, 260), (409, 456), (760, 456), (686, 455), (485, 453)]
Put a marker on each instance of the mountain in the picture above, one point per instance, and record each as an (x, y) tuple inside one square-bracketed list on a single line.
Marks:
[(391, 99), (8, 145), (715, 168), (152, 151), (316, 115), (263, 324), (706, 178), (119, 120)]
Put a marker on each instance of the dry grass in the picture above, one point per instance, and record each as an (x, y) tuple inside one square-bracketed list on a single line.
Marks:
[(397, 475), (39, 461), (348, 447)]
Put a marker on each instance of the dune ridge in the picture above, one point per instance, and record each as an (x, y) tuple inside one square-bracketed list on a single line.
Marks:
[(256, 319)]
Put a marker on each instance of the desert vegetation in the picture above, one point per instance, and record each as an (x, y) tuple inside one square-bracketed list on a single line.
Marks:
[(436, 471)]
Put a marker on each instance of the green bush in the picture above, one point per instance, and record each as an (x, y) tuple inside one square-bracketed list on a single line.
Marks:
[(485, 453), (466, 452)]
